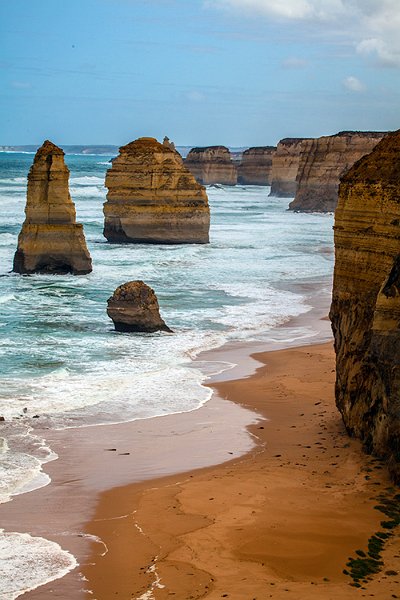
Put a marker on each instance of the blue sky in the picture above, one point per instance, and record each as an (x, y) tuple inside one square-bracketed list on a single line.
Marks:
[(233, 72)]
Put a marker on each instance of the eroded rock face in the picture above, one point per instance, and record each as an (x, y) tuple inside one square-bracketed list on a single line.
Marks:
[(285, 164), (134, 307), (256, 166), (152, 198), (212, 164), (322, 162), (50, 240), (365, 311)]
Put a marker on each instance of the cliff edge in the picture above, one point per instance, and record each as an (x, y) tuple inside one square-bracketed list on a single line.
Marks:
[(256, 165), (285, 164), (365, 310), (322, 162)]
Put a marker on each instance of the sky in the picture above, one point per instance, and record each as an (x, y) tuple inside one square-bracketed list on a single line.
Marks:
[(202, 72)]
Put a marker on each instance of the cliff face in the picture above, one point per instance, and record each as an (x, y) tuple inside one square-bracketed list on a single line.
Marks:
[(322, 162), (256, 165), (153, 198), (285, 164), (50, 240), (365, 311), (212, 165)]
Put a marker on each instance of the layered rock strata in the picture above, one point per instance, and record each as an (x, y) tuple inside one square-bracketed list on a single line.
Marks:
[(50, 240), (256, 166), (365, 311), (152, 198), (211, 165), (134, 307), (322, 162), (285, 164)]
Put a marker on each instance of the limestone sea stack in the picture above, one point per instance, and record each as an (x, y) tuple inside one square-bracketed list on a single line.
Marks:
[(212, 164), (152, 198), (50, 240), (322, 162), (256, 166), (134, 307), (365, 310), (285, 164)]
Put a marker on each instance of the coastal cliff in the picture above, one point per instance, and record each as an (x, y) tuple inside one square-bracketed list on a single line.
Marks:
[(322, 162), (256, 165), (285, 164), (212, 164), (152, 197), (50, 240), (365, 310)]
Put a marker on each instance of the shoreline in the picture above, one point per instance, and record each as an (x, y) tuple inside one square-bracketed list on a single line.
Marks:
[(125, 514), (280, 521), (83, 469), (98, 461)]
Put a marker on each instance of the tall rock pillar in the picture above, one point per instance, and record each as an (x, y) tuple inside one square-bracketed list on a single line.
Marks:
[(50, 240)]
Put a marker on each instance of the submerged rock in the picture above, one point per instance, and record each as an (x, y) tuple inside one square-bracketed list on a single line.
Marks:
[(285, 164), (134, 307), (256, 166), (322, 162), (212, 164), (365, 310), (152, 198), (50, 240)]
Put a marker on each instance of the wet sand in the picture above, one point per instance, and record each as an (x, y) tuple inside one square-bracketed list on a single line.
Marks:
[(279, 522)]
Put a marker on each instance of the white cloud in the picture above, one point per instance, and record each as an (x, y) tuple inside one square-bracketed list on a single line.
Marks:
[(286, 9), (353, 84), (294, 62), (373, 26), (20, 85), (195, 96), (385, 55)]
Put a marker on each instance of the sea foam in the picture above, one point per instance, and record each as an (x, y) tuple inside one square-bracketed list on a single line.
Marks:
[(27, 562)]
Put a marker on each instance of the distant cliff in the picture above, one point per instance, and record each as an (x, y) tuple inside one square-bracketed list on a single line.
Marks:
[(212, 164), (322, 162), (256, 165), (365, 310), (285, 164)]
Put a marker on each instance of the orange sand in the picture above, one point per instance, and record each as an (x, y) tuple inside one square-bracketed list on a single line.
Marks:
[(279, 522)]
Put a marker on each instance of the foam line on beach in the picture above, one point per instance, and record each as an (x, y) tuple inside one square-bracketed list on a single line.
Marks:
[(28, 562)]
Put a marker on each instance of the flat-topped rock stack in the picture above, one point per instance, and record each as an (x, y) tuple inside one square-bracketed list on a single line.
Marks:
[(322, 162), (50, 240), (153, 198), (365, 311), (256, 166), (212, 164), (285, 164)]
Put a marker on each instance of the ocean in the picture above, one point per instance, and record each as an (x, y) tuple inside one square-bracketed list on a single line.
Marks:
[(62, 363)]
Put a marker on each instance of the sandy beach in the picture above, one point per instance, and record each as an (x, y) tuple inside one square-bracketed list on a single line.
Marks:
[(278, 522)]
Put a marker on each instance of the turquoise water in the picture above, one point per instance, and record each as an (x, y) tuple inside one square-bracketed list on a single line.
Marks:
[(60, 357), (61, 360)]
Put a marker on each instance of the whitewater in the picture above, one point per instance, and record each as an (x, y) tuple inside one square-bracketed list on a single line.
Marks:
[(63, 365)]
